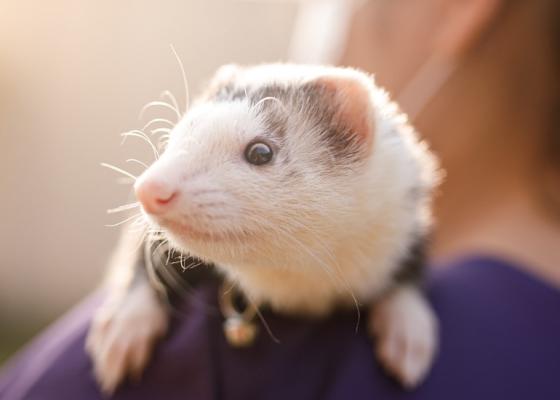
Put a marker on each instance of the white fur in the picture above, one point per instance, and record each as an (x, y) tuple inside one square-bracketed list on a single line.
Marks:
[(302, 243), (406, 329), (122, 335), (314, 241)]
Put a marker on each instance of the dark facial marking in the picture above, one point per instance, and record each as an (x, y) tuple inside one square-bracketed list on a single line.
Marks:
[(315, 100), (320, 104)]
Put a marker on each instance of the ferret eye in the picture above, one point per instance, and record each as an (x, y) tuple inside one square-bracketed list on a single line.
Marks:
[(258, 153)]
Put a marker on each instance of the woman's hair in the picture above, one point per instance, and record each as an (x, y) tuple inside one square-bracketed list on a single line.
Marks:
[(547, 171), (551, 143)]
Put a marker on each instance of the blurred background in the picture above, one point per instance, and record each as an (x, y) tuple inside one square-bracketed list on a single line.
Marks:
[(74, 74)]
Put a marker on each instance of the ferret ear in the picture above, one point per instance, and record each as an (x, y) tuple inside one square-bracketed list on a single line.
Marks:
[(225, 74), (350, 95), (221, 79)]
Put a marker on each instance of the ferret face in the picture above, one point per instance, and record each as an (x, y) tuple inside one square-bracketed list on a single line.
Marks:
[(270, 160)]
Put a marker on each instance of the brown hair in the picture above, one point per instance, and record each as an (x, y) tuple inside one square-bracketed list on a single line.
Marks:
[(551, 143)]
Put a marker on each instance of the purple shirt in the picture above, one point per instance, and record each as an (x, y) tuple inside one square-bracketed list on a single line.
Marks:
[(500, 339)]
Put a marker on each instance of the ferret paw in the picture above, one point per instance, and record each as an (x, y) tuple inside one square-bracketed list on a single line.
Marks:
[(122, 335), (406, 330)]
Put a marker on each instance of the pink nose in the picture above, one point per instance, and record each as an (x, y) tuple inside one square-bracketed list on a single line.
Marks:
[(155, 196)]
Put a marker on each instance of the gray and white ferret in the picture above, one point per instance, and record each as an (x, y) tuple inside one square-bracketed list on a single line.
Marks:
[(307, 189)]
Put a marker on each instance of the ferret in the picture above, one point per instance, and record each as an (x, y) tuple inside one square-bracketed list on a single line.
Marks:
[(306, 188)]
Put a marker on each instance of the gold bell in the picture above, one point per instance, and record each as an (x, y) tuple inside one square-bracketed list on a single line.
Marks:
[(238, 332), (240, 329)]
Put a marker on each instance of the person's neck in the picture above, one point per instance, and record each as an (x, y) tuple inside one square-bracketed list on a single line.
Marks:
[(501, 220)]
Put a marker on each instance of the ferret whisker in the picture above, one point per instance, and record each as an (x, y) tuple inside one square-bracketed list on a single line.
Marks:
[(139, 134), (120, 170), (158, 120), (170, 254), (324, 265), (135, 216), (336, 274), (172, 99), (163, 142), (270, 98), (159, 103), (153, 238), (263, 321), (182, 261), (326, 249), (163, 242), (338, 279), (320, 242), (160, 130), (345, 284), (195, 265), (135, 133), (124, 207), (184, 76), (134, 160)]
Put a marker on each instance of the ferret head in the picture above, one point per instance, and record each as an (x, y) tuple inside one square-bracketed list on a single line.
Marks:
[(269, 163)]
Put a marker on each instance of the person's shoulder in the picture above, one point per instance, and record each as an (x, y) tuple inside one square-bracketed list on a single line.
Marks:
[(498, 332), (489, 289)]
